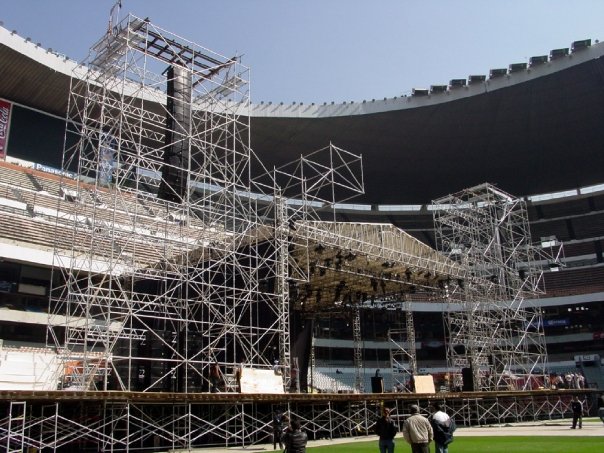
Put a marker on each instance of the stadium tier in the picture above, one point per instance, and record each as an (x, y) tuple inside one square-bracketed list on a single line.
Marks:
[(456, 233)]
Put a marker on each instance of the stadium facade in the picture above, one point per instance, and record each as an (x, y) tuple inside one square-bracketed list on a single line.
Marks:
[(532, 130)]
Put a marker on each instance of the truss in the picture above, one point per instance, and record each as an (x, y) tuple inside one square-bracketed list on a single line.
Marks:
[(491, 330)]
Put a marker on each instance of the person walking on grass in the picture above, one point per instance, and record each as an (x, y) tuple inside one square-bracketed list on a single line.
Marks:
[(417, 431), (386, 430), (278, 420), (601, 407), (443, 427), (295, 439), (577, 407)]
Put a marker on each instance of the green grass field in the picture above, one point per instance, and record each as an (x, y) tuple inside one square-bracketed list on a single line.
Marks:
[(512, 444)]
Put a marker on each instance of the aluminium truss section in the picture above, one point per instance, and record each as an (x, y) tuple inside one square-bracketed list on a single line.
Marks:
[(492, 332), (317, 180), (163, 279), (383, 242), (360, 262)]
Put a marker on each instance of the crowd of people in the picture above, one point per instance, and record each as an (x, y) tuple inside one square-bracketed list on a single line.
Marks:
[(418, 431), (567, 381)]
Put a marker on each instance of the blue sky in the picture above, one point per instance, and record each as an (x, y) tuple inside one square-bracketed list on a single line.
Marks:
[(333, 50)]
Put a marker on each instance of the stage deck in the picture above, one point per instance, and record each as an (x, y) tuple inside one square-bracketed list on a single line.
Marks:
[(242, 398)]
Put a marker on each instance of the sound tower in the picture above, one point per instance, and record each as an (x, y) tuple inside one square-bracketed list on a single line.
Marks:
[(377, 384), (173, 184), (467, 379)]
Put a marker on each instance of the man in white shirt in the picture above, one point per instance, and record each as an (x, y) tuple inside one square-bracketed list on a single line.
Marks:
[(443, 427)]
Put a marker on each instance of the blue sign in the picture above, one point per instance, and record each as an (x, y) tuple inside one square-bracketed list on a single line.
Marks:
[(561, 322)]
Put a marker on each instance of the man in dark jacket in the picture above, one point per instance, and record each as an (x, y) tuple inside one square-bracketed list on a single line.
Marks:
[(278, 421), (577, 407), (295, 440), (601, 407), (443, 427), (386, 430)]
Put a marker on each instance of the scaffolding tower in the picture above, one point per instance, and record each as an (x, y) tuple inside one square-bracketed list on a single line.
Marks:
[(403, 355), (169, 262), (178, 273), (494, 337)]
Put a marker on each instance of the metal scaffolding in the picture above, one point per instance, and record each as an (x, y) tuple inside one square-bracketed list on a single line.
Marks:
[(187, 255), (493, 334), (357, 349), (152, 422), (403, 357), (165, 271), (178, 273)]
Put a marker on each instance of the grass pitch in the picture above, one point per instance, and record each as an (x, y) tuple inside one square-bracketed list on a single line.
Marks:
[(495, 444)]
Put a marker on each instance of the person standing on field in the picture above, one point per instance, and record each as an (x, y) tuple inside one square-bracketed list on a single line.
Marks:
[(443, 427), (386, 430), (417, 431)]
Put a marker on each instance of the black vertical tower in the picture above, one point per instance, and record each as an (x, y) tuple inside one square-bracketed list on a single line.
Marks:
[(173, 184)]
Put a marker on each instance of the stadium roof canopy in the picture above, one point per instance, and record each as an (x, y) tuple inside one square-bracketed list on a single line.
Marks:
[(531, 130)]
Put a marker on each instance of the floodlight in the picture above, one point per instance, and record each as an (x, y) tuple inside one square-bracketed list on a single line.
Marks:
[(497, 72), (558, 53), (438, 88), (476, 78), (516, 67), (420, 92), (457, 83), (540, 59), (580, 45)]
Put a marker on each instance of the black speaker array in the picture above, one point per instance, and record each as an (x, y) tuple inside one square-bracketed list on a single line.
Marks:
[(377, 384), (468, 380), (178, 126)]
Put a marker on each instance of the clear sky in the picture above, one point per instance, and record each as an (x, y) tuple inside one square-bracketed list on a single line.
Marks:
[(333, 50)]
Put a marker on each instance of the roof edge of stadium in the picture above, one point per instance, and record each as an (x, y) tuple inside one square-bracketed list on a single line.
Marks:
[(35, 51), (436, 94), (497, 79)]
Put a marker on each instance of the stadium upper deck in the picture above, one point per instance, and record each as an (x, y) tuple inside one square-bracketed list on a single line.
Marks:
[(517, 128)]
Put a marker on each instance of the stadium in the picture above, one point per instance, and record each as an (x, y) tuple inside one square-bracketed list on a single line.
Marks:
[(179, 263)]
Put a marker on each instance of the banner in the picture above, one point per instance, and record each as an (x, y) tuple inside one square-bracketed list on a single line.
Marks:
[(5, 108)]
